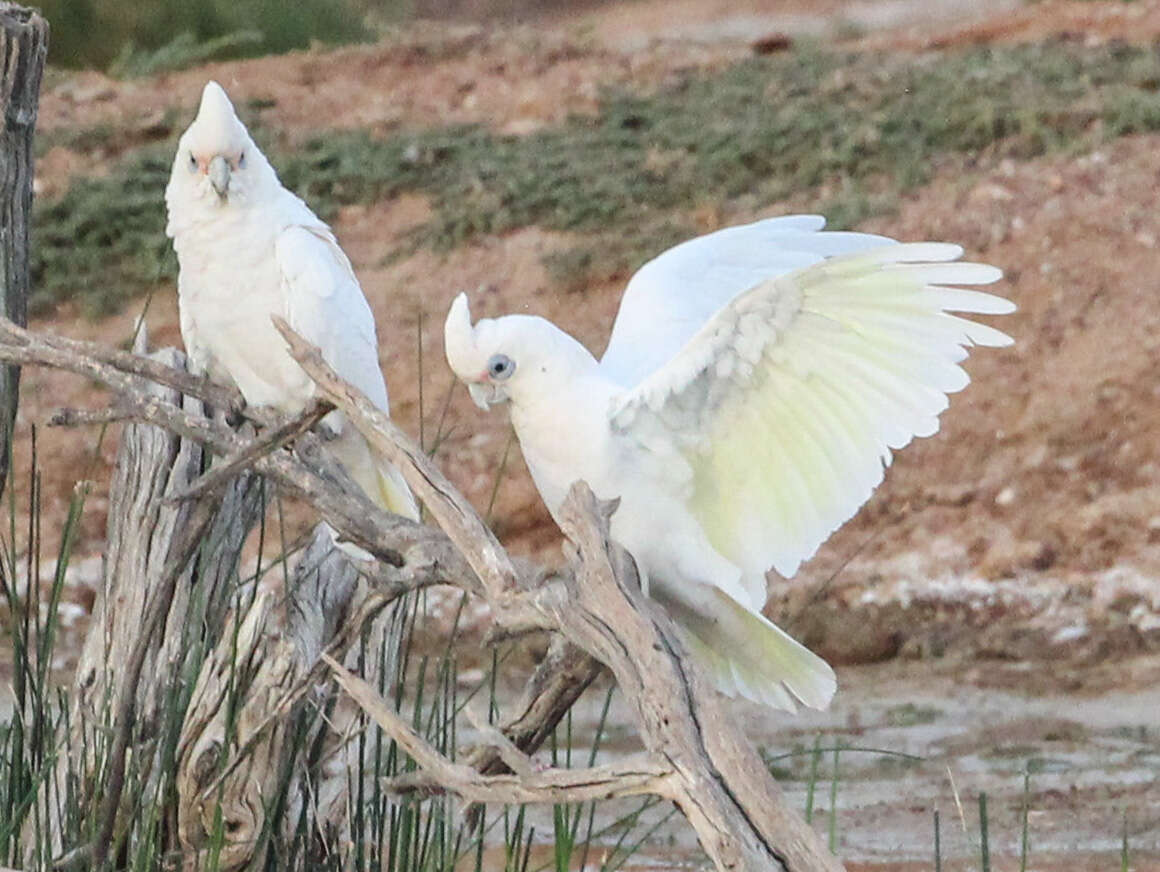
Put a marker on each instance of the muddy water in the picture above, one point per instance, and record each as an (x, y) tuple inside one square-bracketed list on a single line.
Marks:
[(1092, 765)]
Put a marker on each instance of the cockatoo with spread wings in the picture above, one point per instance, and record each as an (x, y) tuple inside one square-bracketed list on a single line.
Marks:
[(249, 249), (756, 382)]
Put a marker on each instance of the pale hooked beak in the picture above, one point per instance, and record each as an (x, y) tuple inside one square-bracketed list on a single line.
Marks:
[(219, 176), (483, 394)]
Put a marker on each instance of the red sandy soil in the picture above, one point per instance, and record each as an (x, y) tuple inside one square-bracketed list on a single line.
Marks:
[(1037, 501)]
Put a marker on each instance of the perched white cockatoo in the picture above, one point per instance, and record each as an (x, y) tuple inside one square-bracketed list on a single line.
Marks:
[(249, 249), (756, 382)]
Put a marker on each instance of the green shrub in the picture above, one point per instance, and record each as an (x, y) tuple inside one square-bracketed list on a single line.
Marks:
[(95, 33)]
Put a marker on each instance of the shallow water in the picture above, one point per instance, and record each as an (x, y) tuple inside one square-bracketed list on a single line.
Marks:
[(1092, 764)]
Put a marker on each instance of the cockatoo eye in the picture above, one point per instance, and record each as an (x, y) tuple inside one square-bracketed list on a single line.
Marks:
[(192, 163), (500, 367), (241, 160)]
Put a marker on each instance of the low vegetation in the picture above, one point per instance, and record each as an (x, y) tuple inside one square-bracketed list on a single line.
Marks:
[(839, 133), (138, 38)]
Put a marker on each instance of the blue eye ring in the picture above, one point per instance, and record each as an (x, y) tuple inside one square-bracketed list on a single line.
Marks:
[(500, 367)]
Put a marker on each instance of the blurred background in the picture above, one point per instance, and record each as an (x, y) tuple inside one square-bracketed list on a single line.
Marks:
[(129, 33), (994, 612)]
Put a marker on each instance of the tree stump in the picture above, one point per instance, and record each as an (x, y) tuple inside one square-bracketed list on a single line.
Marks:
[(206, 659), (159, 607), (23, 49)]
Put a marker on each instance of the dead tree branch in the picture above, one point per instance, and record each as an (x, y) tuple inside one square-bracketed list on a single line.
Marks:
[(229, 469), (630, 777), (717, 779)]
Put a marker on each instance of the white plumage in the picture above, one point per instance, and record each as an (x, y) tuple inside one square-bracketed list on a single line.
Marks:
[(249, 249), (755, 385)]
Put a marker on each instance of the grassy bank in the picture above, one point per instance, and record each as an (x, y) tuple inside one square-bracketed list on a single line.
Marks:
[(845, 134)]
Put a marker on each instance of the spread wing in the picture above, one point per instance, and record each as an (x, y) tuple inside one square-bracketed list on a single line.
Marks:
[(787, 403), (325, 304), (672, 296)]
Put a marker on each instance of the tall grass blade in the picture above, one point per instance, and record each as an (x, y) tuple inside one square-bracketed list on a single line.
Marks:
[(937, 844), (1024, 840), (984, 841), (833, 829), (600, 726), (645, 836), (499, 474), (1124, 855), (811, 784)]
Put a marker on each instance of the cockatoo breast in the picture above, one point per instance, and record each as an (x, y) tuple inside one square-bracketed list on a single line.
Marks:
[(230, 286), (565, 437)]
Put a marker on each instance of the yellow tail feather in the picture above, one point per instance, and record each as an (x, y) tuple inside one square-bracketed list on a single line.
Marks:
[(394, 494), (746, 655)]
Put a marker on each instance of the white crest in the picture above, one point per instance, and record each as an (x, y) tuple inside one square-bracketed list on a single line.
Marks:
[(459, 339), (216, 120)]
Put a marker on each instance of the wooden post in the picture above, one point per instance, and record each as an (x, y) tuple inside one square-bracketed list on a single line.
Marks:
[(23, 49)]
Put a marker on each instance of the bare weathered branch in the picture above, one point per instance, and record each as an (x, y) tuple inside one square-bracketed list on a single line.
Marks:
[(559, 680), (68, 417), (632, 776), (515, 759), (697, 757), (304, 474), (268, 442), (18, 345), (722, 786), (454, 514)]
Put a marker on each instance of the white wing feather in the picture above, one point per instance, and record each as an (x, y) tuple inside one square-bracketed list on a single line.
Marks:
[(325, 304), (788, 402), (672, 296)]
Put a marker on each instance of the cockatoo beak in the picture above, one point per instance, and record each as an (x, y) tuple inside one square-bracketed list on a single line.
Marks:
[(219, 176), (482, 394)]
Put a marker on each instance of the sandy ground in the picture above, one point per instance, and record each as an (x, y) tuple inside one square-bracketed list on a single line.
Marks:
[(908, 749), (1007, 566)]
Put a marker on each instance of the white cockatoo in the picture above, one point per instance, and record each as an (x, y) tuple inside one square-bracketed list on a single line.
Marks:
[(756, 382), (249, 249)]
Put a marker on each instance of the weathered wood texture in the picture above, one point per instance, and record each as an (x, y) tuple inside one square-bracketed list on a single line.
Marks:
[(248, 647), (719, 781), (23, 49), (715, 776), (169, 574), (268, 646), (695, 754), (143, 527)]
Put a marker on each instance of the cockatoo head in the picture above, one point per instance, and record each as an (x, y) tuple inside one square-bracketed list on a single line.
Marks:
[(517, 357), (217, 164)]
